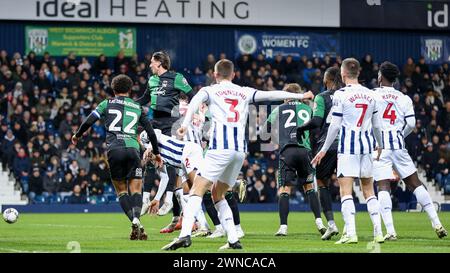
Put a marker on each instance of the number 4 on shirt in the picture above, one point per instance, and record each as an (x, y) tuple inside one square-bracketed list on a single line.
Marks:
[(391, 116)]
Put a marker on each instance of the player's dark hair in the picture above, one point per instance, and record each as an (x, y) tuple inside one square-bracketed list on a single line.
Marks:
[(389, 71), (292, 88), (333, 74), (224, 68), (121, 84), (162, 57), (351, 65)]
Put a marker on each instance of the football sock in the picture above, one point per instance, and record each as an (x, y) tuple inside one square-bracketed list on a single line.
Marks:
[(136, 201), (313, 201), (232, 202), (124, 200), (210, 209), (348, 213), (373, 207), (226, 219), (326, 203), (386, 210), (193, 205), (424, 199), (283, 208)]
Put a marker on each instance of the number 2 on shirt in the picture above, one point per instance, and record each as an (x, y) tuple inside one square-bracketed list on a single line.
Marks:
[(233, 104), (361, 118)]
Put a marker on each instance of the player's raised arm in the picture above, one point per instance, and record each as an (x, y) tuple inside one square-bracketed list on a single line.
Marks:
[(89, 121), (280, 95)]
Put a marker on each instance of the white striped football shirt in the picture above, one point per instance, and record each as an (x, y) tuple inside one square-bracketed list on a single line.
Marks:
[(170, 148), (356, 105), (228, 105), (394, 108)]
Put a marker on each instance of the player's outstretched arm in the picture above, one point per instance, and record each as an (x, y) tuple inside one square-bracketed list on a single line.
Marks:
[(87, 123), (280, 95), (143, 120)]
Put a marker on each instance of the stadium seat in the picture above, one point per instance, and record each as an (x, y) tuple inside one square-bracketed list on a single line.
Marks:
[(54, 199), (39, 199), (66, 200), (112, 199), (447, 188)]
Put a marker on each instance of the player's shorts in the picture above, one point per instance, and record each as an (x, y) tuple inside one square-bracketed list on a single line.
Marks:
[(165, 124), (222, 165), (192, 157), (295, 162), (355, 165), (327, 165), (124, 164), (398, 160)]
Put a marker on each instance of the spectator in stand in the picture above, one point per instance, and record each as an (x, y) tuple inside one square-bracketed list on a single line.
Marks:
[(21, 169), (66, 185), (36, 184), (76, 197)]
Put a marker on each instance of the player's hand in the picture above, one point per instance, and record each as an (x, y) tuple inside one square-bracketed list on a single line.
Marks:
[(379, 150), (308, 95), (181, 132), (158, 162), (316, 160), (154, 206), (74, 140), (148, 155)]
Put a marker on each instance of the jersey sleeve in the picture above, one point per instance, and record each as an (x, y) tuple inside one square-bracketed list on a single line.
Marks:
[(319, 107), (182, 84), (100, 110), (337, 109), (251, 94), (408, 107)]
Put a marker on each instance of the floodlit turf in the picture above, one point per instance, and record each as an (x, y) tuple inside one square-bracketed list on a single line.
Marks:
[(109, 233)]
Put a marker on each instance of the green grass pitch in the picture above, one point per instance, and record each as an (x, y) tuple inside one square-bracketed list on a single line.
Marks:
[(108, 232)]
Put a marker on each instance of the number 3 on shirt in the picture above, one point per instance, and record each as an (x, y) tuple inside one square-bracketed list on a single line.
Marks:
[(391, 116), (361, 118), (233, 104)]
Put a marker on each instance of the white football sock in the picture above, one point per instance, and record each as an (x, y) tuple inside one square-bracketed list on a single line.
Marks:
[(386, 211), (202, 219), (179, 196), (193, 205), (424, 199), (226, 219), (348, 213), (331, 223), (373, 207), (145, 197), (168, 198)]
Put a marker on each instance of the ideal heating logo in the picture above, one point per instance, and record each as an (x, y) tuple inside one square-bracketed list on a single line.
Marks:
[(437, 17)]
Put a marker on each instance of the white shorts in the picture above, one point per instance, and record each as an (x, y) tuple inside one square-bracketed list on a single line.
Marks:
[(191, 159), (354, 165), (222, 165), (398, 160)]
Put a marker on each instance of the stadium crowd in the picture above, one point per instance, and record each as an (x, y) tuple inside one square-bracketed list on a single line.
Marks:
[(44, 99)]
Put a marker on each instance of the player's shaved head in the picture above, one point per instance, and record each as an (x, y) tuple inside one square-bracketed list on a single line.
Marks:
[(293, 88), (351, 67), (389, 71), (121, 84), (224, 69)]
